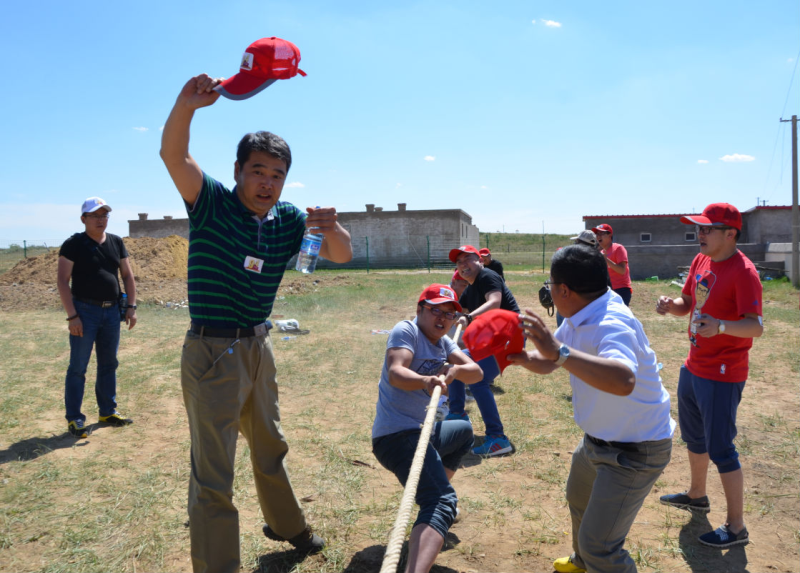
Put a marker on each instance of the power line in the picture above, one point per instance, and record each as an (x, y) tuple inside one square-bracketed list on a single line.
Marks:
[(790, 84), (777, 135)]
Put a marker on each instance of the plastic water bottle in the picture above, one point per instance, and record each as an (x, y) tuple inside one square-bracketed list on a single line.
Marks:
[(309, 252), (443, 409), (123, 307)]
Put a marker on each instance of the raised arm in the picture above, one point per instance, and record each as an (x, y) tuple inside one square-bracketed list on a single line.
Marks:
[(605, 374), (185, 172)]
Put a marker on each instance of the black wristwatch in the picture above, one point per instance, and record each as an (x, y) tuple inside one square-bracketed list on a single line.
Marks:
[(133, 306)]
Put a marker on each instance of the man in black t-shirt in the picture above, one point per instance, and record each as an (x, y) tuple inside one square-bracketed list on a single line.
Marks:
[(486, 291), (92, 260), (490, 263)]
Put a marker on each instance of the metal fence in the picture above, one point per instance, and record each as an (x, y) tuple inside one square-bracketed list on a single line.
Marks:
[(13, 251)]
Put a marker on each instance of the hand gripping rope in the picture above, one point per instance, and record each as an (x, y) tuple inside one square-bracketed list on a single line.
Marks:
[(395, 544)]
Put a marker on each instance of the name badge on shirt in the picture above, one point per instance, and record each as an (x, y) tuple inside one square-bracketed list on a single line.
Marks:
[(253, 264)]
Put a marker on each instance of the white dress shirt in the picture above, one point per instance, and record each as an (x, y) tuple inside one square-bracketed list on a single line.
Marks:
[(608, 329)]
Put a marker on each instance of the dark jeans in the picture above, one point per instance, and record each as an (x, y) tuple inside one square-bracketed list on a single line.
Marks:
[(101, 331), (437, 500), (625, 293), (484, 397)]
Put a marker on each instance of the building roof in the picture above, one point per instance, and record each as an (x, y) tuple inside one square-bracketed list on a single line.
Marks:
[(674, 215)]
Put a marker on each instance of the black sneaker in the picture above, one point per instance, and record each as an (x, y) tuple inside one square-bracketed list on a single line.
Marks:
[(78, 429), (115, 420), (723, 537), (306, 541), (683, 501)]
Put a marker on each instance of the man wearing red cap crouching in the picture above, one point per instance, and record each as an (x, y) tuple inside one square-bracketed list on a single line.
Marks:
[(240, 243), (723, 294), (419, 357)]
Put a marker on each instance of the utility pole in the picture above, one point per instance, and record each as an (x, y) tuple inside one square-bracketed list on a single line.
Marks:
[(795, 210)]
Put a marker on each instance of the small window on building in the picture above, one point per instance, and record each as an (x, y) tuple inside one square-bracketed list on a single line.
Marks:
[(691, 236), (645, 237)]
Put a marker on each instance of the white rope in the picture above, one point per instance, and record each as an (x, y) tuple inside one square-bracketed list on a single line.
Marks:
[(395, 544)]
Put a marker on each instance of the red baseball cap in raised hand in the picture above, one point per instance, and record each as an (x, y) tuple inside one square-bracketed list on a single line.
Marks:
[(263, 62), (717, 215), (494, 333)]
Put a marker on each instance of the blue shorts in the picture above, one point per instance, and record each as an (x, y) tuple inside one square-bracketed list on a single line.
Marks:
[(707, 416), (437, 500)]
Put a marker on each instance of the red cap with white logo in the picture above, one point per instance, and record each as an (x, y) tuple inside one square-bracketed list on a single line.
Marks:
[(439, 294), (264, 61)]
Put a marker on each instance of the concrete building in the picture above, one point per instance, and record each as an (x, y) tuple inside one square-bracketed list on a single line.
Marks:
[(157, 228), (383, 239), (658, 244)]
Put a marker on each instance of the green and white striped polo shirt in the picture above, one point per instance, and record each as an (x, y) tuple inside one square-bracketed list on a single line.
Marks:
[(235, 263)]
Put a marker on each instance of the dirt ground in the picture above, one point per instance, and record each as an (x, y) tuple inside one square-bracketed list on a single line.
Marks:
[(516, 518)]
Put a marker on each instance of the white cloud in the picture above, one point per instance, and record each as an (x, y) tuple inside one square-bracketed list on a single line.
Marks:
[(552, 23), (140, 129), (790, 60), (398, 186), (737, 158), (533, 21), (430, 158), (484, 187), (702, 160), (295, 185), (161, 128)]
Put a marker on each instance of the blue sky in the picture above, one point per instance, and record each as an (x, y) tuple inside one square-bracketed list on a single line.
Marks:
[(526, 115)]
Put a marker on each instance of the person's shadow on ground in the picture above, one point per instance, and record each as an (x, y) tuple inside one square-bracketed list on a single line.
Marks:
[(370, 559), (701, 558), (280, 561), (32, 448)]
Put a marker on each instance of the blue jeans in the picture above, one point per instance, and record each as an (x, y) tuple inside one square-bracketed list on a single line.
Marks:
[(101, 330), (437, 500), (484, 397)]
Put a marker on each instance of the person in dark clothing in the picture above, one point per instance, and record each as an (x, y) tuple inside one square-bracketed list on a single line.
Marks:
[(486, 291), (92, 261), (490, 263)]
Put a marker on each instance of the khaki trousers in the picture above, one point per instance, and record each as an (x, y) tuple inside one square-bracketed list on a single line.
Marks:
[(230, 388), (606, 487)]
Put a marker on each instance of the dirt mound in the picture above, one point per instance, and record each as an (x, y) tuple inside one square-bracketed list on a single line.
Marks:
[(151, 259), (159, 266)]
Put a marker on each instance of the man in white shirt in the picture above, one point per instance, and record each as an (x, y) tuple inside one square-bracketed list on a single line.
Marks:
[(618, 401)]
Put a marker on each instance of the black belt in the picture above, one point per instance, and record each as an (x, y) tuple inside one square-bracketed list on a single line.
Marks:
[(257, 330), (100, 303), (625, 446)]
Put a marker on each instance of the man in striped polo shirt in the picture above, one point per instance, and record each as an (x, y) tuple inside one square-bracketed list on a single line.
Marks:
[(240, 242)]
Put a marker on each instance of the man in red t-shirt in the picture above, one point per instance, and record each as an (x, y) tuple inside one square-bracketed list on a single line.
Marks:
[(723, 294), (617, 259)]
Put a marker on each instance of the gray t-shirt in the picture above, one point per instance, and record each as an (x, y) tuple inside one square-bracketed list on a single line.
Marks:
[(399, 410)]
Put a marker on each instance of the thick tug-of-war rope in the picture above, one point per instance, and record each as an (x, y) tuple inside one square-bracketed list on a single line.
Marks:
[(392, 556)]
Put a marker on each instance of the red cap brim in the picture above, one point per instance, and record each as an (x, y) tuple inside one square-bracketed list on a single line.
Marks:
[(697, 220)]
